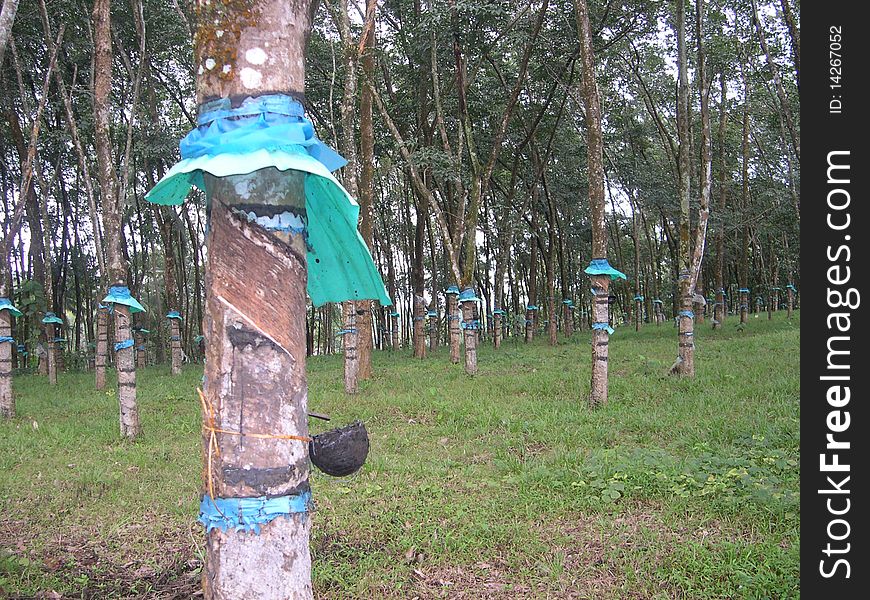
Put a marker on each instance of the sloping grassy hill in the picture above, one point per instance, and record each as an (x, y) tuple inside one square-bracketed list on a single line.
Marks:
[(504, 485)]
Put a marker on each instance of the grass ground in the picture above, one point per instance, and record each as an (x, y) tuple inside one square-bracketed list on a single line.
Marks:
[(499, 486)]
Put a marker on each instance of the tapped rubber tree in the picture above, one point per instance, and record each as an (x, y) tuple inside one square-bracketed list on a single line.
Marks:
[(689, 259), (599, 269), (119, 295), (279, 224), (7, 345)]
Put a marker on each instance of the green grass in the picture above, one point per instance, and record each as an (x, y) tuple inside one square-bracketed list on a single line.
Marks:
[(504, 485)]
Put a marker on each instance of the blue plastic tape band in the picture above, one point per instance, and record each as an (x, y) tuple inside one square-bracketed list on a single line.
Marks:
[(248, 514), (269, 122), (346, 331), (140, 347), (604, 327), (173, 314), (6, 338), (638, 298), (743, 290), (174, 338), (472, 325), (124, 344), (687, 313)]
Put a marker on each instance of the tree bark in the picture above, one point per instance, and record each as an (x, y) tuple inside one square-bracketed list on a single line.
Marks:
[(595, 160), (112, 211), (454, 318), (255, 356), (470, 331), (7, 398), (367, 186)]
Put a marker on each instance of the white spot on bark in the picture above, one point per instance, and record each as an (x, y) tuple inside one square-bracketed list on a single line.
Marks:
[(227, 68), (251, 78), (256, 56), (210, 63), (219, 33)]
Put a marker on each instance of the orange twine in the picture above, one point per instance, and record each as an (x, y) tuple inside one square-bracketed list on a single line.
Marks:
[(213, 448)]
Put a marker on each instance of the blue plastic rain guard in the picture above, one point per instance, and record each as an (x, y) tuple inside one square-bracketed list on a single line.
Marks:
[(395, 314), (657, 301), (140, 347), (247, 514), (687, 313), (174, 314), (498, 311), (120, 294), (431, 314), (468, 295), (475, 324), (272, 132), (346, 331), (452, 290), (743, 290), (198, 339), (531, 307), (6, 304), (600, 266), (143, 330), (639, 298), (569, 302), (788, 287), (604, 326), (50, 317), (59, 340)]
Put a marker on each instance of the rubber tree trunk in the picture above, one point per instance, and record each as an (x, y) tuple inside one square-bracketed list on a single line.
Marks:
[(113, 215), (470, 338), (139, 340), (530, 325), (51, 357), (255, 381), (175, 346), (7, 398), (551, 325), (350, 341), (453, 324), (367, 190), (395, 332), (685, 364), (600, 341), (124, 363), (419, 321), (595, 159), (255, 356), (101, 352), (434, 326), (568, 320)]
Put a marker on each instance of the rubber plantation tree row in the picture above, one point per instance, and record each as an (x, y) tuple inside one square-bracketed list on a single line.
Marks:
[(365, 176)]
